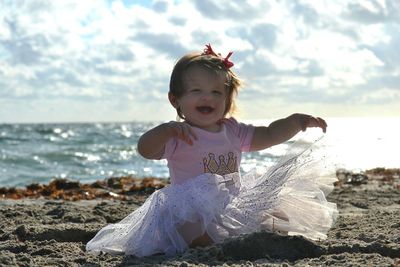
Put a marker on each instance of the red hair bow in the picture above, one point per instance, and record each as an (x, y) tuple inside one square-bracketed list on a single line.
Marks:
[(209, 51)]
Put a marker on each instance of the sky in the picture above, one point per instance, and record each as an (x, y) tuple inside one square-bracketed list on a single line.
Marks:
[(92, 61)]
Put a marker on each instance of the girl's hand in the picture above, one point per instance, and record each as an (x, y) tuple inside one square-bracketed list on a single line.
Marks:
[(182, 131), (307, 121)]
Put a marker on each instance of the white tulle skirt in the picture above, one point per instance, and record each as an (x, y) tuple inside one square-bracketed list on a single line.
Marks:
[(288, 198)]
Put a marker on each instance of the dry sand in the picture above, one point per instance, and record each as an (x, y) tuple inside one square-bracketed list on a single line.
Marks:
[(44, 232)]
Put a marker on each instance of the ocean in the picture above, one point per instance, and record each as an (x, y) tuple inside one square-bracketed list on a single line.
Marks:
[(38, 153)]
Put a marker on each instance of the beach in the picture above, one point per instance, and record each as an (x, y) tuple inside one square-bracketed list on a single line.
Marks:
[(49, 225)]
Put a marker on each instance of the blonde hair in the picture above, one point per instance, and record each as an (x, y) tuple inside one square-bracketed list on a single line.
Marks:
[(209, 62)]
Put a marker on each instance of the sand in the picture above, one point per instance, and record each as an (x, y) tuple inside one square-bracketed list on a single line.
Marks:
[(46, 232)]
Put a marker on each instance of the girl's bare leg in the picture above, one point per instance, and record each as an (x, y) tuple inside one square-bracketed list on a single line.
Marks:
[(202, 241), (189, 229)]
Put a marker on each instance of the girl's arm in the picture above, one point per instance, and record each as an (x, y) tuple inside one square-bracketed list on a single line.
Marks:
[(282, 130), (151, 144)]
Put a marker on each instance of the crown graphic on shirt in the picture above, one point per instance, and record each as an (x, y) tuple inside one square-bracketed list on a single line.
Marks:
[(220, 166)]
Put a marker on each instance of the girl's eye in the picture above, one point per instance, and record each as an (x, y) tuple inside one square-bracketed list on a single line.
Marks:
[(217, 93), (195, 90)]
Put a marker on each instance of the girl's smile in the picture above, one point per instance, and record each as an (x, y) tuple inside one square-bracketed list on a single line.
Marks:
[(205, 109)]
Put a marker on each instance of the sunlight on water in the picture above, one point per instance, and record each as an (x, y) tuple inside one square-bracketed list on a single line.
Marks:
[(366, 143), (359, 143)]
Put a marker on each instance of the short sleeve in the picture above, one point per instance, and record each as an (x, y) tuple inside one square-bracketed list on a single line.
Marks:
[(169, 148), (243, 131)]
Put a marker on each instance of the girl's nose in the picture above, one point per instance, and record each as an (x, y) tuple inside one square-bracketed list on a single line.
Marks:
[(206, 95)]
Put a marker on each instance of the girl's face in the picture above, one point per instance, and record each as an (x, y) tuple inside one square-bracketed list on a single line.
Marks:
[(204, 100)]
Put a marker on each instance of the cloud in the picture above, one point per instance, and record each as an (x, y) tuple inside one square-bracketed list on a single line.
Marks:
[(304, 11), (386, 50), (162, 43), (160, 6), (23, 48), (372, 12), (233, 10), (117, 58)]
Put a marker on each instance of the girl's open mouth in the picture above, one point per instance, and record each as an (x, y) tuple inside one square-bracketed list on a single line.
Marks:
[(205, 109)]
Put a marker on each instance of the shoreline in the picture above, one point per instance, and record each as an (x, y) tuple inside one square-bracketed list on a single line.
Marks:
[(121, 188), (126, 187), (45, 231)]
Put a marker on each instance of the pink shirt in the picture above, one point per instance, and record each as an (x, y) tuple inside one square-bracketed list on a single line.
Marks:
[(218, 153)]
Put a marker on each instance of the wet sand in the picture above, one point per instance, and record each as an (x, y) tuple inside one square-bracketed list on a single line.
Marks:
[(52, 228)]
